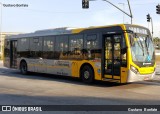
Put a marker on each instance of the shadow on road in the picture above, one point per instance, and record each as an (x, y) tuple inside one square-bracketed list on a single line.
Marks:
[(51, 77), (67, 79)]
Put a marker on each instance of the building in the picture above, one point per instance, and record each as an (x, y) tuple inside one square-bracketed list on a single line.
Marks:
[(2, 37)]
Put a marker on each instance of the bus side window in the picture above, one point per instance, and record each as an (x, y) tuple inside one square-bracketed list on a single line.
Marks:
[(48, 47), (23, 47), (75, 47), (36, 47), (6, 48), (92, 47), (61, 48)]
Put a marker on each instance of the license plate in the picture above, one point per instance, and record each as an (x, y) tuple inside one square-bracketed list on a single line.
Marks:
[(146, 78)]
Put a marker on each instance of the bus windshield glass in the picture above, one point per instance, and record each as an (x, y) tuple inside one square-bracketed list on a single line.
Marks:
[(142, 50)]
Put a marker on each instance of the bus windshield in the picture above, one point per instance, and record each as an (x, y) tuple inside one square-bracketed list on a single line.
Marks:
[(142, 50)]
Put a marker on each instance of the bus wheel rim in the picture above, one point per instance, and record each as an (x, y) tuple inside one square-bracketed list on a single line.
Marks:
[(86, 74), (23, 67)]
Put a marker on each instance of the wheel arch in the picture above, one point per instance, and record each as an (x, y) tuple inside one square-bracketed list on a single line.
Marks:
[(21, 62), (86, 64)]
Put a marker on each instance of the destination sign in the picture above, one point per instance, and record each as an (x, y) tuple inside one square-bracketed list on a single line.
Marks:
[(138, 30)]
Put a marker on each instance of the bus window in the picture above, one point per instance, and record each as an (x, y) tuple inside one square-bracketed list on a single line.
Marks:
[(36, 47), (13, 55), (76, 46), (6, 48), (117, 39), (48, 48), (61, 48), (92, 49), (23, 47)]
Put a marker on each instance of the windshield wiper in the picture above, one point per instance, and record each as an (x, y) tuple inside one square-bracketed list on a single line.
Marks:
[(139, 42), (147, 45), (142, 47)]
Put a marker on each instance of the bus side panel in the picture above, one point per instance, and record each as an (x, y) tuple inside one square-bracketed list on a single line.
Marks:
[(59, 67), (65, 67), (76, 68), (6, 62), (97, 70), (124, 73)]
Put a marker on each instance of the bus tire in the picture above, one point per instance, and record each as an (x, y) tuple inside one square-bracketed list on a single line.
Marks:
[(87, 74), (23, 68)]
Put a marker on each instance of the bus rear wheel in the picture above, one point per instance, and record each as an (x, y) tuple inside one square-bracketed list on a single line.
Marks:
[(23, 68), (87, 74)]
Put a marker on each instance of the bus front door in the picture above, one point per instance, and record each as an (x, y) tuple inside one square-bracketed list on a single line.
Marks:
[(13, 54), (112, 56)]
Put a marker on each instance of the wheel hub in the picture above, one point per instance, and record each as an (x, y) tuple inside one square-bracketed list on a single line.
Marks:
[(86, 74), (23, 68)]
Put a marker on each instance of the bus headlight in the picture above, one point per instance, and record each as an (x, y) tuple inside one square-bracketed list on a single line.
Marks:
[(135, 70)]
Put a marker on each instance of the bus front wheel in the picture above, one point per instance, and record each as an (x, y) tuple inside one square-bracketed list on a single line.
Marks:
[(23, 68), (87, 74)]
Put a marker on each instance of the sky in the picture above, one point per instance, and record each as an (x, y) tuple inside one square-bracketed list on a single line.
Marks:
[(47, 14)]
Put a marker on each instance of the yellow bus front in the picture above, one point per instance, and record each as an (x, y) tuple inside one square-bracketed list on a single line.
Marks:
[(141, 54)]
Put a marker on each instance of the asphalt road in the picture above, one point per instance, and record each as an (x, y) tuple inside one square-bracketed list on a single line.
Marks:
[(42, 89)]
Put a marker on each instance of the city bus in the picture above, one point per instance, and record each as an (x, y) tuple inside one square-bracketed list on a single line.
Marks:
[(119, 53)]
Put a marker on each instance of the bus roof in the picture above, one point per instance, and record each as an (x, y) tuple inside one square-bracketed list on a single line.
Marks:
[(61, 31)]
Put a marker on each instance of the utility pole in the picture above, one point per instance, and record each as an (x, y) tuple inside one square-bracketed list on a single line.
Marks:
[(130, 11), (152, 26), (149, 19)]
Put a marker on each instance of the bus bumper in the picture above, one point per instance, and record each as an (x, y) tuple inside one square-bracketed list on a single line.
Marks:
[(133, 77)]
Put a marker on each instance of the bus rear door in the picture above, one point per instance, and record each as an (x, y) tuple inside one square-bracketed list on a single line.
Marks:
[(13, 53)]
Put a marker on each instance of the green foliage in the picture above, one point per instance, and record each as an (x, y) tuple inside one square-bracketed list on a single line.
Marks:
[(156, 41)]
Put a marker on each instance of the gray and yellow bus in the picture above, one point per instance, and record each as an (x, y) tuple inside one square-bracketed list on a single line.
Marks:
[(118, 53)]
